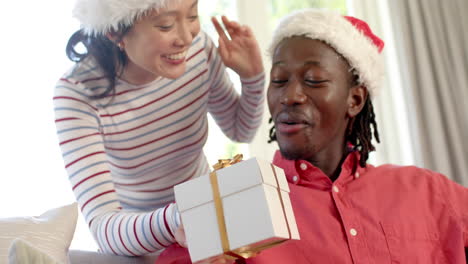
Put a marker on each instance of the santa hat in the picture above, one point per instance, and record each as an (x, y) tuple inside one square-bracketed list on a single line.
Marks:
[(349, 36), (103, 16)]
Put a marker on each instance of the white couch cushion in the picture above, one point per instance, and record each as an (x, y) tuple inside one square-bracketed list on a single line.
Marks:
[(21, 252), (51, 232)]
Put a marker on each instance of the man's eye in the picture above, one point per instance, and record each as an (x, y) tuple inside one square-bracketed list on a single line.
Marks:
[(315, 82), (279, 81)]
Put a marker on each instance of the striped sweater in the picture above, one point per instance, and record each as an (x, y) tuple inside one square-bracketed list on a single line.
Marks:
[(124, 153)]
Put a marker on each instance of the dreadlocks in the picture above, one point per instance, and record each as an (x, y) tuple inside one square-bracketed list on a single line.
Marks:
[(359, 132)]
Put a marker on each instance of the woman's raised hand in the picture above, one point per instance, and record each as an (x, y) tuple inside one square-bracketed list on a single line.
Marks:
[(240, 51)]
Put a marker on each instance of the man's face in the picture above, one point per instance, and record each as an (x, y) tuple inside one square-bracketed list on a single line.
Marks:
[(309, 97)]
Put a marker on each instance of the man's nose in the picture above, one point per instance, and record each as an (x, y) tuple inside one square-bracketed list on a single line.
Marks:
[(293, 93)]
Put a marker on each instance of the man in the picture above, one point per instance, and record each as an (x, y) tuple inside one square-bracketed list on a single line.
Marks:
[(325, 70)]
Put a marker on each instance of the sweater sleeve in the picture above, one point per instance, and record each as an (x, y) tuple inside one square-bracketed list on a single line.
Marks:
[(238, 116), (117, 231)]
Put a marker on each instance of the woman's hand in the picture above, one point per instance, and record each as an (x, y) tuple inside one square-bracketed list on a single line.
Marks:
[(179, 236), (241, 52), (182, 241)]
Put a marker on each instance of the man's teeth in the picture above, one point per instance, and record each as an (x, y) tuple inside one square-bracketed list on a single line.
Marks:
[(177, 56)]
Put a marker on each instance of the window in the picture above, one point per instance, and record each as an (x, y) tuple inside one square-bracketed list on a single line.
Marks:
[(216, 138), (279, 9)]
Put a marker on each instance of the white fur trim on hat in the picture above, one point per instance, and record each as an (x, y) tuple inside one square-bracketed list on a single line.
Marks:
[(102, 16), (333, 29)]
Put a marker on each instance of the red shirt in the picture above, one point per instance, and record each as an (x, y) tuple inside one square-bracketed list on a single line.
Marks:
[(385, 214)]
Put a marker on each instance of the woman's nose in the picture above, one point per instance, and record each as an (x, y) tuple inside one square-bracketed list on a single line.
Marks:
[(185, 36)]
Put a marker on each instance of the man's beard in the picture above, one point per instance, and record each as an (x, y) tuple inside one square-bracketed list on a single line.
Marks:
[(292, 153)]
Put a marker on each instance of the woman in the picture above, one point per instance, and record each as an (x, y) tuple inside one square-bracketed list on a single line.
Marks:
[(131, 114)]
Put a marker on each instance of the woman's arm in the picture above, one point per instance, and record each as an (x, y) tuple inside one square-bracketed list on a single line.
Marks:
[(116, 231), (239, 116)]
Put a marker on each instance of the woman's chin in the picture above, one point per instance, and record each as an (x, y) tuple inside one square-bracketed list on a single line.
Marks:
[(174, 71), (173, 76)]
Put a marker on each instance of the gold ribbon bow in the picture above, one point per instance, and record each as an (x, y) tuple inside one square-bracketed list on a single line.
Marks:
[(243, 253)]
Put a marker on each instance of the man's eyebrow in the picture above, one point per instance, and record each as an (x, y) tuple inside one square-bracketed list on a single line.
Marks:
[(315, 63)]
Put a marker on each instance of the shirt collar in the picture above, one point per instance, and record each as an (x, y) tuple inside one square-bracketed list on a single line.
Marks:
[(302, 172)]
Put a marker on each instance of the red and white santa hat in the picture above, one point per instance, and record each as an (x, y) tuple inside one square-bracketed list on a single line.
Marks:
[(103, 16), (349, 36)]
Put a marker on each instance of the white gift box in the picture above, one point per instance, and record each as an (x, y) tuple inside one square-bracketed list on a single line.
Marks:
[(255, 208)]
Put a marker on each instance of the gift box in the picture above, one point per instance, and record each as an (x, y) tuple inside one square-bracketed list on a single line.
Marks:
[(237, 211)]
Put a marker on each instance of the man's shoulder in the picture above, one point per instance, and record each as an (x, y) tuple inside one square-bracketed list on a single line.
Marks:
[(405, 173)]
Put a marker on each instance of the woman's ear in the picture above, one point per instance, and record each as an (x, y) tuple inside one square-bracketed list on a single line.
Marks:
[(357, 97), (112, 37), (116, 40)]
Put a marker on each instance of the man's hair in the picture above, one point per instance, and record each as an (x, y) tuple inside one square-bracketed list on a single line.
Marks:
[(359, 133)]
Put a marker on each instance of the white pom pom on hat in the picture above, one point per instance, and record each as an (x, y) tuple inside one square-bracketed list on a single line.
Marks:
[(103, 16), (349, 36)]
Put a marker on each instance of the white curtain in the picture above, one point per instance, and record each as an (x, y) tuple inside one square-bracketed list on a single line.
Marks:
[(256, 15), (427, 77)]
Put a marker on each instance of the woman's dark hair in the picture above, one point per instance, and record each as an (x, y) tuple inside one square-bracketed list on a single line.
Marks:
[(359, 132), (106, 53)]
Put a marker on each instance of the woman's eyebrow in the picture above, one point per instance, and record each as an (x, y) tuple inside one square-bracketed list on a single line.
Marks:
[(172, 12)]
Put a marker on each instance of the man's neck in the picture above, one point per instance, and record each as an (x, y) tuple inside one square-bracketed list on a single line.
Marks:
[(330, 161)]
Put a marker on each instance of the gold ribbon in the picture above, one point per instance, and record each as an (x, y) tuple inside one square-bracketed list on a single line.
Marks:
[(222, 163), (245, 252)]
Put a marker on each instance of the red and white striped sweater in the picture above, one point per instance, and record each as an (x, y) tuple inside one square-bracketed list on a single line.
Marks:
[(124, 153)]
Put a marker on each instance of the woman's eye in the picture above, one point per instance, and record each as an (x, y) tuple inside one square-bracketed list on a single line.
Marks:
[(193, 18), (165, 28)]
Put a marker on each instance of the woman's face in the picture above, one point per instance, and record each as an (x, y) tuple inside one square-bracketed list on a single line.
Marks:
[(157, 43), (310, 98)]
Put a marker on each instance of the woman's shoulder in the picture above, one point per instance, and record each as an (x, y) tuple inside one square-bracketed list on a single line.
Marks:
[(83, 78), (83, 70), (202, 42)]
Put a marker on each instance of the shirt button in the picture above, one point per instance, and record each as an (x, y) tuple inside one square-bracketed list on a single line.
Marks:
[(294, 178), (353, 232), (357, 175), (303, 166), (335, 189)]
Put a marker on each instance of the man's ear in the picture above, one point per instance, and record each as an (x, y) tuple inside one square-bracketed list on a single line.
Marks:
[(357, 97)]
